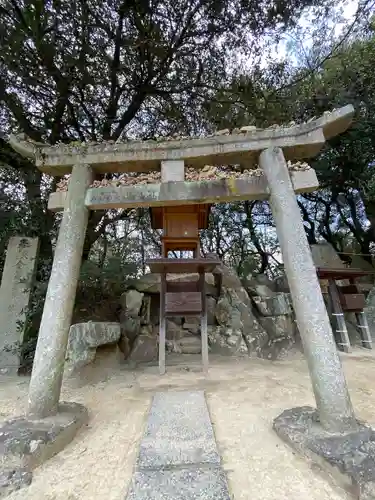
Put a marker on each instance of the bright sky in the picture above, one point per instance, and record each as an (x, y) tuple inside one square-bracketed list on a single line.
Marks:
[(349, 9)]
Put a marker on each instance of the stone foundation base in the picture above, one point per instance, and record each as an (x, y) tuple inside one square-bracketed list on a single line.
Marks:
[(349, 458), (25, 443)]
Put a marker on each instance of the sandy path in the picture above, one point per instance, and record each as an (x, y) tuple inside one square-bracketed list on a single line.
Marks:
[(243, 398)]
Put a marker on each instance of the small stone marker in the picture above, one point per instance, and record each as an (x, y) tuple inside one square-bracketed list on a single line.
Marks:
[(178, 458), (15, 291)]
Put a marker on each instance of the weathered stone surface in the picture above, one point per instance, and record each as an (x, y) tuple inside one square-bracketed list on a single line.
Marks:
[(190, 345), (299, 141), (228, 277), (15, 292), (178, 457), (178, 432), (211, 305), (225, 341), (370, 311), (281, 284), (279, 326), (48, 366), (349, 456), (277, 348), (145, 349), (201, 483), (327, 376), (256, 341), (174, 331), (278, 305), (185, 192), (358, 262), (223, 311), (27, 443), (124, 346), (84, 338), (192, 327), (13, 480), (263, 279), (259, 286), (145, 313), (172, 346), (172, 170), (130, 325), (131, 302), (324, 255), (239, 331)]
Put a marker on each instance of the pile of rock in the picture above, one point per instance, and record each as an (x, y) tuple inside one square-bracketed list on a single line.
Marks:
[(208, 172), (253, 318)]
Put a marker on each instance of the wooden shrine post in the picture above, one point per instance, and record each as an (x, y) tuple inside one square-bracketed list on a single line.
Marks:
[(181, 225), (183, 298)]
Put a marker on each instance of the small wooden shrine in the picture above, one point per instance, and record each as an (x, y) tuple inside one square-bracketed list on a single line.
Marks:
[(181, 225), (346, 298)]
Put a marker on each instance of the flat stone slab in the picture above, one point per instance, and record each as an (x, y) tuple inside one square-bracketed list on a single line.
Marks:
[(178, 432), (25, 443), (349, 458), (178, 457), (180, 484)]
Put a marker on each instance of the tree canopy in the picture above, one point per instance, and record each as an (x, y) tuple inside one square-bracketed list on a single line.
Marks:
[(117, 70)]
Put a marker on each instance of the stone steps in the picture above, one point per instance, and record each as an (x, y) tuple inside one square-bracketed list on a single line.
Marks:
[(190, 345)]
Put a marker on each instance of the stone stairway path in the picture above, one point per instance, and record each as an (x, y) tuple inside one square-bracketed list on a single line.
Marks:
[(178, 457)]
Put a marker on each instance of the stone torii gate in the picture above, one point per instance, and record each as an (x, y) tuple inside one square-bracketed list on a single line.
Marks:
[(270, 149)]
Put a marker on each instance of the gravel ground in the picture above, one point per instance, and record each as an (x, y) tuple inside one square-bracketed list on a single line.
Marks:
[(243, 398)]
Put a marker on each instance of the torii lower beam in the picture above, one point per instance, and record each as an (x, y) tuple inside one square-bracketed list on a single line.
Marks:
[(184, 193)]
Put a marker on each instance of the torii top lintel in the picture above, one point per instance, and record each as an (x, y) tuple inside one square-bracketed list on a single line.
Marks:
[(300, 141)]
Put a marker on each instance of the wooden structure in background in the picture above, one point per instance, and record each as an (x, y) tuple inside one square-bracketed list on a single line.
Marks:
[(181, 225), (346, 298)]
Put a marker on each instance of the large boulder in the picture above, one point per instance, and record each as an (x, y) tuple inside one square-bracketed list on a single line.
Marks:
[(225, 277), (324, 255), (145, 312), (130, 325), (131, 302), (130, 319), (239, 331), (211, 305), (259, 286), (223, 311), (279, 326), (85, 338), (226, 341), (145, 349), (277, 305)]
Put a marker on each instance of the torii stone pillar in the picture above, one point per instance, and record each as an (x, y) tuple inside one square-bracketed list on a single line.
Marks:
[(328, 381), (48, 367)]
